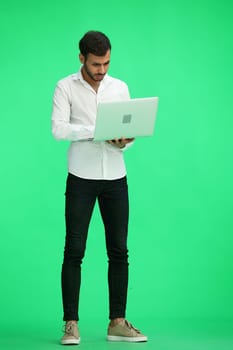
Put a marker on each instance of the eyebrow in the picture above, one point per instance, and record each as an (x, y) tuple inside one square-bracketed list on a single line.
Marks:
[(100, 64)]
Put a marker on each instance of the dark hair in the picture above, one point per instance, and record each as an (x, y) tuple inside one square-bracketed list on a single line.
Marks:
[(94, 42)]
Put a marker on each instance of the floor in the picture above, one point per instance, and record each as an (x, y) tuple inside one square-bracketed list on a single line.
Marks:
[(163, 335)]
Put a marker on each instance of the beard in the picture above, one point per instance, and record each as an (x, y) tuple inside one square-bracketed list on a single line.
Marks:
[(94, 77)]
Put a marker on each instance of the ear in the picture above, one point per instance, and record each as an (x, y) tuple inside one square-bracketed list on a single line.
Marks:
[(81, 58)]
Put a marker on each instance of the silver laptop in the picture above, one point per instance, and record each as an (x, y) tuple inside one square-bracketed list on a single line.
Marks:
[(131, 118)]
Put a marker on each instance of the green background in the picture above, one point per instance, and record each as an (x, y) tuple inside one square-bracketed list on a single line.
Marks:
[(181, 189)]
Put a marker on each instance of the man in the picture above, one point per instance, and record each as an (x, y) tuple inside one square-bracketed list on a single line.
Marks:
[(96, 170)]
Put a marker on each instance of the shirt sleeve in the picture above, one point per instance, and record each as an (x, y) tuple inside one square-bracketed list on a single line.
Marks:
[(62, 128)]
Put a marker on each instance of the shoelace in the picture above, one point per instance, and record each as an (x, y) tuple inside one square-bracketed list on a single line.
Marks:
[(68, 328), (130, 326)]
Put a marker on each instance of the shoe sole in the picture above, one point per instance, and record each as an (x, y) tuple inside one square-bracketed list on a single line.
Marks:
[(127, 339), (71, 342)]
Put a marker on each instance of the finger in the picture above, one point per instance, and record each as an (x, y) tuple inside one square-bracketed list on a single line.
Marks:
[(111, 142)]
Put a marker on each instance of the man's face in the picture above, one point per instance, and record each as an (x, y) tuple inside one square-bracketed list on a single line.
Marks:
[(95, 67)]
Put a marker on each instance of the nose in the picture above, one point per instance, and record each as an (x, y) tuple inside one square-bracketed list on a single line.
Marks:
[(102, 69)]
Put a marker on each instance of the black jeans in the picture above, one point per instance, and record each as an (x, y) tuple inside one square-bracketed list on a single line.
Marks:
[(81, 195)]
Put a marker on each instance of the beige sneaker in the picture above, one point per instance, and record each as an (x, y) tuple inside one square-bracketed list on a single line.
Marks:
[(71, 335), (124, 331)]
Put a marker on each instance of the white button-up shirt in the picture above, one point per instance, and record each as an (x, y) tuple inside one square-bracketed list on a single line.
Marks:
[(73, 118)]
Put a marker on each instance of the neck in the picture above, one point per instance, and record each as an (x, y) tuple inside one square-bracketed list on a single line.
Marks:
[(94, 84)]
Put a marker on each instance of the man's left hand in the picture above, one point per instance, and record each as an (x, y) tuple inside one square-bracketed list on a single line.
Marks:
[(120, 143)]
